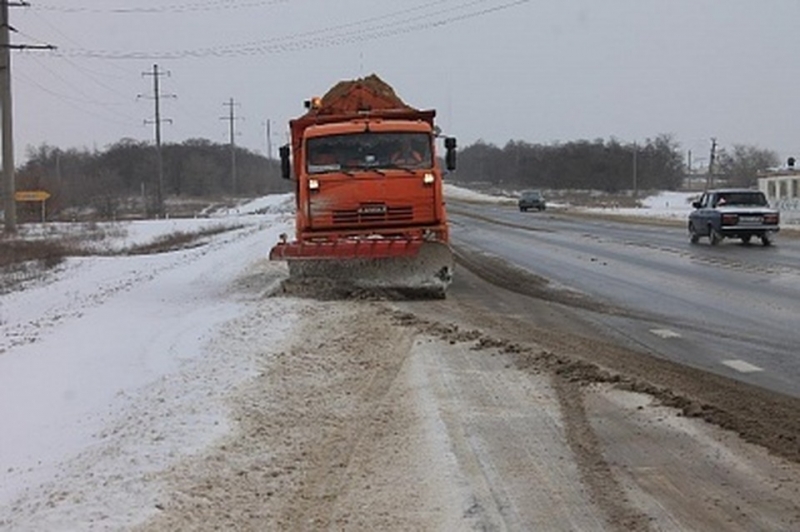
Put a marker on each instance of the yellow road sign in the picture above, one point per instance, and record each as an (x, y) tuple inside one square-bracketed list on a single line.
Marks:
[(31, 195)]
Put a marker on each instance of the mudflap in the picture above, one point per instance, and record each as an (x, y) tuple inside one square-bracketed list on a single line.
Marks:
[(427, 273)]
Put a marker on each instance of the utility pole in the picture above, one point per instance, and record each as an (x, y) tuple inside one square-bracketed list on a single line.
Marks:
[(58, 166), (159, 160), (9, 185), (712, 157), (231, 118), (635, 170), (268, 134)]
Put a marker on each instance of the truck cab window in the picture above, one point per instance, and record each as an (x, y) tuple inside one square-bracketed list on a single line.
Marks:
[(369, 151)]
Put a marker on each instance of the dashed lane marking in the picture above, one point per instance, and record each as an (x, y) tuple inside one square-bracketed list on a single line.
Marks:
[(742, 366), (665, 333)]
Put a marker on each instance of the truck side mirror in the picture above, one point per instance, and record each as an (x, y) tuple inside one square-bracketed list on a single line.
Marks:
[(286, 167), (450, 155)]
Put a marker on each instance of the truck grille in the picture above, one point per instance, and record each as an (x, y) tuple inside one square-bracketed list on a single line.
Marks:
[(373, 213)]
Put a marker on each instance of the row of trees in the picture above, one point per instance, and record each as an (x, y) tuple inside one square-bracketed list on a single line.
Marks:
[(602, 165), (127, 172)]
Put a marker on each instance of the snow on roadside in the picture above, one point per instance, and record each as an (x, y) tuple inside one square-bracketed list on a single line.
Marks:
[(117, 236), (665, 204), (116, 367)]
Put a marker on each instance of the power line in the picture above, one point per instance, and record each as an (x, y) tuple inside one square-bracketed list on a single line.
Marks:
[(312, 40), (360, 23), (214, 5), (67, 38), (88, 99), (93, 76), (74, 102)]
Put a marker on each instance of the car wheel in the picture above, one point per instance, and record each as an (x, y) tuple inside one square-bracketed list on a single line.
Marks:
[(766, 239), (746, 239), (714, 236), (694, 238)]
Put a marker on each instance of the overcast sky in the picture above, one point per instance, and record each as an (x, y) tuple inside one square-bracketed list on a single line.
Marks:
[(540, 71)]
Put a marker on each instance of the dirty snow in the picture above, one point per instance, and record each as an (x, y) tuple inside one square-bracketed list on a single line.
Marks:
[(111, 369), (106, 374)]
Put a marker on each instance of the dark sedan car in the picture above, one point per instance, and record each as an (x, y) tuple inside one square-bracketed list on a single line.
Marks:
[(531, 199), (733, 213)]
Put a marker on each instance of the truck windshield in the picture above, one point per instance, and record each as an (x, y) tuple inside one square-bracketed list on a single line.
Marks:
[(368, 151)]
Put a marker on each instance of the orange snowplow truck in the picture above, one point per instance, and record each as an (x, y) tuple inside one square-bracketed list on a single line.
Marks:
[(370, 209)]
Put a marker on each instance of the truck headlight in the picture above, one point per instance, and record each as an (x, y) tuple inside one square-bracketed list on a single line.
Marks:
[(428, 179), (313, 184)]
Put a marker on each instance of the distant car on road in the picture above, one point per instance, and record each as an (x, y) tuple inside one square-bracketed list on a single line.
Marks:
[(531, 199), (733, 213)]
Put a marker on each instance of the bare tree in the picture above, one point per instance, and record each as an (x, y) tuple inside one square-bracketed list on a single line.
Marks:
[(743, 163)]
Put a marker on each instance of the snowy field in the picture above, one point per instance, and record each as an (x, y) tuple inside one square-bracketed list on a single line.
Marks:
[(667, 205), (114, 367)]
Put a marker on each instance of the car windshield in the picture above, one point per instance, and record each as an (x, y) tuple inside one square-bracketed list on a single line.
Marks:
[(531, 194), (368, 151), (741, 198)]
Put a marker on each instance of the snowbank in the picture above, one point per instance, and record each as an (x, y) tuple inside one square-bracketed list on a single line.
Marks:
[(113, 368)]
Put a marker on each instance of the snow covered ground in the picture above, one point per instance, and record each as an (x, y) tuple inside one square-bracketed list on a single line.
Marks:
[(111, 369), (115, 367), (668, 205)]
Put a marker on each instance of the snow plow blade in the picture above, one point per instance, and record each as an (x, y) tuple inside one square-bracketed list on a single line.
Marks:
[(411, 268)]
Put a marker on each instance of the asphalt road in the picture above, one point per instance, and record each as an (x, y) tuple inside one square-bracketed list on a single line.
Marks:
[(731, 309)]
